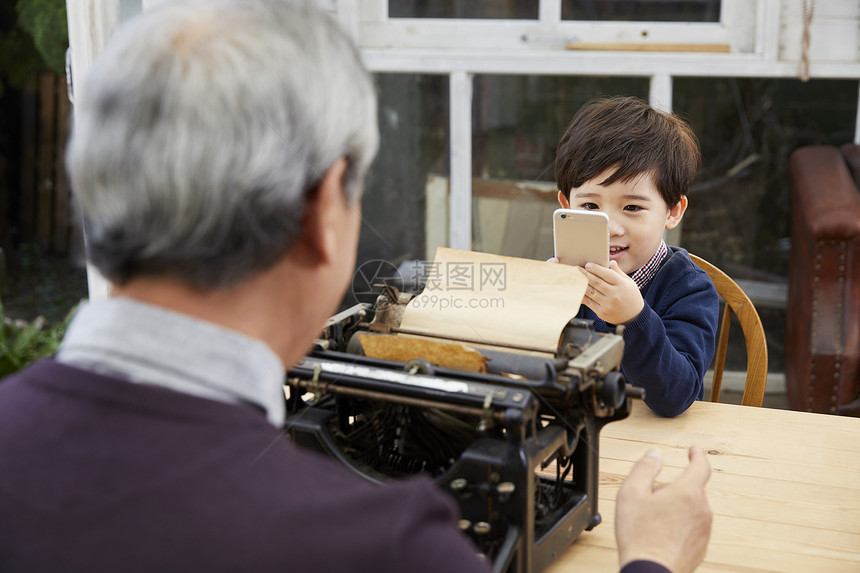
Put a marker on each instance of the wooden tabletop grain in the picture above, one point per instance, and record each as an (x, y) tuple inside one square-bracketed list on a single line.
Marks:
[(785, 488)]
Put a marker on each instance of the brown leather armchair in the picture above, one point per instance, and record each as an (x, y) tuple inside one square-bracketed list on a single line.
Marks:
[(822, 369)]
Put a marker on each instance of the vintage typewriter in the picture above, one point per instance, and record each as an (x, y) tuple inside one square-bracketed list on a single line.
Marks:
[(515, 442)]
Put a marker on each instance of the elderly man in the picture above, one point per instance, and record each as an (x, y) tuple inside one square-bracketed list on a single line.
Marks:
[(218, 157)]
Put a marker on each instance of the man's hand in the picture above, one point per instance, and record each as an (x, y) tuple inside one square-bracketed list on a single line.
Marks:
[(611, 294), (668, 524)]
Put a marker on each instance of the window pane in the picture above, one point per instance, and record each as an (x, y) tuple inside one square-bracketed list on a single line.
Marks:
[(517, 123), (413, 125), (490, 9), (642, 11), (740, 204)]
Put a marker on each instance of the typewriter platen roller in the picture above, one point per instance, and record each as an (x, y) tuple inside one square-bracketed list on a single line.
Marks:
[(511, 433)]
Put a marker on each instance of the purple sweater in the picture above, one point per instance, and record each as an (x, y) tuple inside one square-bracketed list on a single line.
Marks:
[(98, 474)]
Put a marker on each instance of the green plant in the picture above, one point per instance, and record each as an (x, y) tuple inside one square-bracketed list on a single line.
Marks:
[(33, 38), (45, 21), (23, 342)]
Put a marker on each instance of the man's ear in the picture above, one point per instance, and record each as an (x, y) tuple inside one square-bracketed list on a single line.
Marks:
[(563, 201), (323, 216), (676, 213)]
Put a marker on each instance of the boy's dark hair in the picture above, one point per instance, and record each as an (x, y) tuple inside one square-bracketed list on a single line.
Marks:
[(627, 133)]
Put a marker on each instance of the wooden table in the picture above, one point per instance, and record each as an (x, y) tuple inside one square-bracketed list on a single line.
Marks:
[(785, 488)]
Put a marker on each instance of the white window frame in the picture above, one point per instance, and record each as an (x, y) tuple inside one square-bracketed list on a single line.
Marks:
[(763, 38), (378, 30), (761, 34)]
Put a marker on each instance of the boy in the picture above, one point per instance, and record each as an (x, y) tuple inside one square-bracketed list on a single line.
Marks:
[(634, 163)]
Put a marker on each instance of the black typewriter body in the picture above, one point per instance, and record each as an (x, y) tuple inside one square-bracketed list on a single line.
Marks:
[(518, 452)]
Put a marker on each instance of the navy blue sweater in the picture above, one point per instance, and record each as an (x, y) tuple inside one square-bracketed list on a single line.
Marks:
[(669, 346)]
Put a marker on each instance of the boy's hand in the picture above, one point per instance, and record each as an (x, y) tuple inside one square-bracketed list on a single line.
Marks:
[(611, 294)]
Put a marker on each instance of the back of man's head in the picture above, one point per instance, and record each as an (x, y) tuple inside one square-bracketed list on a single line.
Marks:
[(201, 128)]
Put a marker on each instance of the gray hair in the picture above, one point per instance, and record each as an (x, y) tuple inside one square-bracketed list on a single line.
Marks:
[(201, 128)]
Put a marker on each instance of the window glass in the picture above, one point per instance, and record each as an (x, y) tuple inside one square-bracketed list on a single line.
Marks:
[(740, 204), (517, 123), (489, 9), (413, 152), (642, 11)]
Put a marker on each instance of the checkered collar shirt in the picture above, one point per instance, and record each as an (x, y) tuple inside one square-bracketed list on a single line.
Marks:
[(647, 271)]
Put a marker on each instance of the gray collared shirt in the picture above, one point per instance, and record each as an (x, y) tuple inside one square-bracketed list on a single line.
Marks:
[(152, 345)]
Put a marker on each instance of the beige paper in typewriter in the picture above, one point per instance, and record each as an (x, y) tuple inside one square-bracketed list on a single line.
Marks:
[(496, 300)]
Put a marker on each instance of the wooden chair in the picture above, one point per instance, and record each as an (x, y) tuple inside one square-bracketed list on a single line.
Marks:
[(737, 302)]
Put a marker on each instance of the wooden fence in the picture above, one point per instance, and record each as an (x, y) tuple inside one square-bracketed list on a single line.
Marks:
[(45, 214)]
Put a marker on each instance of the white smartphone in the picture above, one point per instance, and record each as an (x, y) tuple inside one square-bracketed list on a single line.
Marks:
[(581, 237)]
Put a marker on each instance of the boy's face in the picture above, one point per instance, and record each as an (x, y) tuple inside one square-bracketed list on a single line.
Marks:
[(638, 215)]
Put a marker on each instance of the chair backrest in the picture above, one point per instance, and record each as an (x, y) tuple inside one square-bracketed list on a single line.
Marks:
[(737, 302)]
